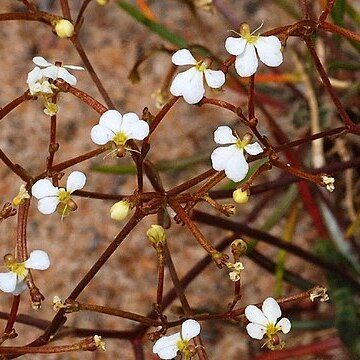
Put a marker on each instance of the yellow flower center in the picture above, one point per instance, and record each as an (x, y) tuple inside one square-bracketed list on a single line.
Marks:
[(63, 195), (182, 345), (120, 138), (271, 330), (246, 34), (201, 66), (18, 268)]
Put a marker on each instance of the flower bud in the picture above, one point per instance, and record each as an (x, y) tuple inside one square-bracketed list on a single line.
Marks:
[(64, 28), (22, 195), (156, 234), (120, 210), (102, 2), (238, 248), (241, 197), (9, 259), (328, 182)]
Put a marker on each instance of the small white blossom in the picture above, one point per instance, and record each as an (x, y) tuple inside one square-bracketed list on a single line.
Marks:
[(38, 83), (236, 268), (328, 181), (54, 72), (190, 83), (248, 46), (14, 280), (119, 129), (168, 346), (231, 158), (264, 322), (50, 196)]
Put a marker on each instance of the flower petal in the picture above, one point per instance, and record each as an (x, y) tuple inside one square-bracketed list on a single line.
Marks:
[(134, 128), (47, 205), (214, 78), (236, 167), (221, 155), (40, 61), (34, 75), (43, 188), (183, 57), (255, 315), (255, 331), (65, 75), (38, 260), (189, 84), (269, 50), (73, 67), (254, 148), (285, 325), (235, 46), (75, 181), (51, 72), (189, 329), (112, 120), (246, 63), (8, 281), (19, 288), (271, 309), (166, 347), (100, 135), (224, 135)]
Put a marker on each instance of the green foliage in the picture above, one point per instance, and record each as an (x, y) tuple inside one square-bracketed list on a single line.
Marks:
[(344, 298)]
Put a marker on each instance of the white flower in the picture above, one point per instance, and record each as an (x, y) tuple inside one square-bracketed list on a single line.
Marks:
[(168, 346), (264, 322), (268, 48), (14, 280), (50, 196), (190, 83), (53, 71), (231, 158), (38, 83), (119, 129)]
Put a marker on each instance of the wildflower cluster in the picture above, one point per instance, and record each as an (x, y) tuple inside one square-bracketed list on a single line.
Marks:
[(242, 152)]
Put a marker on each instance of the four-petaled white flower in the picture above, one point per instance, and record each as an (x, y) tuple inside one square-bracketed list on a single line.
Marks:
[(14, 280), (50, 196), (264, 322), (190, 83), (268, 48), (168, 346), (119, 129), (54, 71), (231, 158)]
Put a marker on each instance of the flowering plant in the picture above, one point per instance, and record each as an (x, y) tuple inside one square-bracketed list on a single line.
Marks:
[(172, 230)]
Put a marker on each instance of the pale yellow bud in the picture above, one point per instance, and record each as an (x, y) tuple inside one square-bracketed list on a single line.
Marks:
[(102, 2), (99, 342), (120, 210), (156, 234), (240, 197), (64, 28), (21, 196)]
